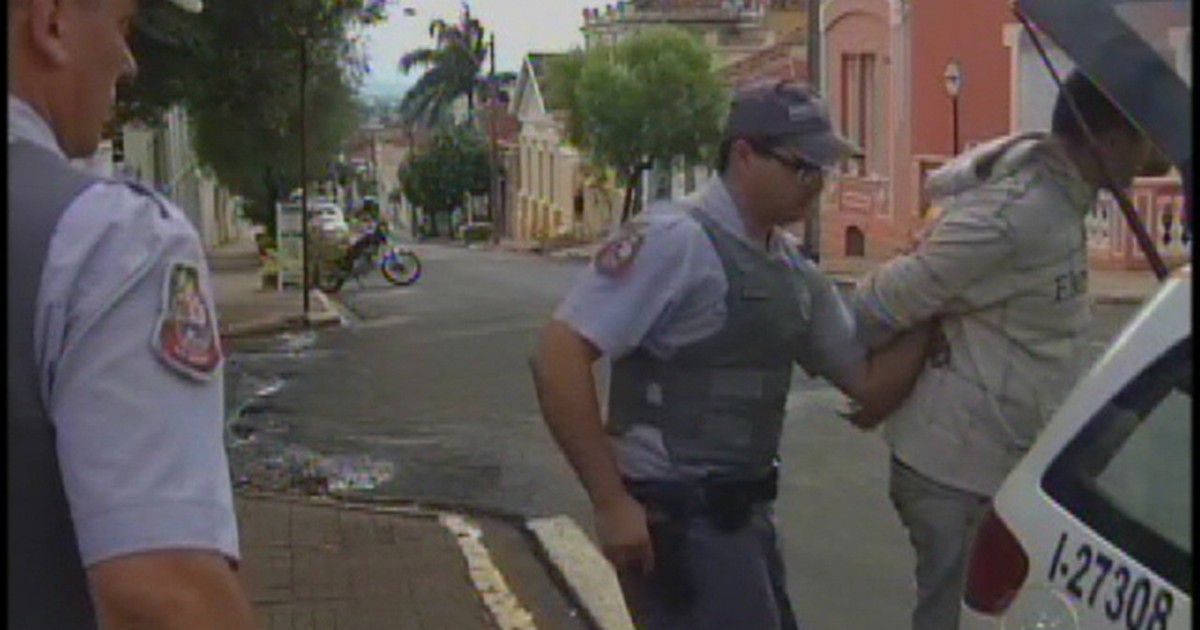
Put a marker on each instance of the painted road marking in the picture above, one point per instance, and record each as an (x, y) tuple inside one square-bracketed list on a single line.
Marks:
[(506, 610), (585, 570)]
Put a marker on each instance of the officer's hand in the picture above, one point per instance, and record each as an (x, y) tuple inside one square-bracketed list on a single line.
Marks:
[(624, 535)]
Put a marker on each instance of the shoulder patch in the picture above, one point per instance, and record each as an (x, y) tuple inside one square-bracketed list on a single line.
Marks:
[(619, 251), (185, 337)]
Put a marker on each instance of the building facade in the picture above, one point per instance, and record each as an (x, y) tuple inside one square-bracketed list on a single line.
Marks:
[(884, 66), (884, 70), (163, 157), (551, 198)]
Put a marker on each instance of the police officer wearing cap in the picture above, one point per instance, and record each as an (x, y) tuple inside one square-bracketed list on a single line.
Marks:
[(703, 305), (120, 511)]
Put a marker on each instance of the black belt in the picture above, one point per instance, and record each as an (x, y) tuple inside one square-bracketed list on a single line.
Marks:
[(727, 500)]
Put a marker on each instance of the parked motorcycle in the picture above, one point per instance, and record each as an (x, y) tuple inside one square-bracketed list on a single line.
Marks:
[(398, 264)]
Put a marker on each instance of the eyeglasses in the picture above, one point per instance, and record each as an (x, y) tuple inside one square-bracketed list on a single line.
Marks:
[(799, 166)]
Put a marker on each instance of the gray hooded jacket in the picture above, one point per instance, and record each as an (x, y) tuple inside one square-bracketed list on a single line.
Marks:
[(1005, 269)]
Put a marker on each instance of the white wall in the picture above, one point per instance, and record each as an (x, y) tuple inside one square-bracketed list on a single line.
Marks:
[(1034, 91)]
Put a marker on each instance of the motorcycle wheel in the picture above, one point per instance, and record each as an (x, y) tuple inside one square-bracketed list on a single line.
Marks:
[(328, 280), (401, 268)]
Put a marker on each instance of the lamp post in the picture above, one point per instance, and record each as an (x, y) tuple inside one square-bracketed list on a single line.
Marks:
[(953, 78), (812, 226)]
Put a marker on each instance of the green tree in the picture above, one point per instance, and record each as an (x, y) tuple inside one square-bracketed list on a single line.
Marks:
[(651, 98), (235, 67), (441, 176)]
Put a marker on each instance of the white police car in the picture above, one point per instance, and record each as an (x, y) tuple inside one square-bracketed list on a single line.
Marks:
[(1093, 528)]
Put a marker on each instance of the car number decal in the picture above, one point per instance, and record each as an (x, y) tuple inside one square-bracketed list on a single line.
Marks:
[(1129, 596)]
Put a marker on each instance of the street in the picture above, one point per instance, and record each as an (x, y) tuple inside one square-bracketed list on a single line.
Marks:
[(426, 396)]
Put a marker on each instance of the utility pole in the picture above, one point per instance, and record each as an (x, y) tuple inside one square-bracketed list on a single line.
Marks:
[(304, 168), (494, 152), (812, 225)]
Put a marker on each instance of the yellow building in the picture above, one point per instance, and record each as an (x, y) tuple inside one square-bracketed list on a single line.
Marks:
[(551, 199)]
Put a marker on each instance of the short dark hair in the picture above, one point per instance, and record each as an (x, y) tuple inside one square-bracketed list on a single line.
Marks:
[(1096, 109)]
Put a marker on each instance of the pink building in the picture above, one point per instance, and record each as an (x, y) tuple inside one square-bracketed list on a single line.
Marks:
[(885, 65)]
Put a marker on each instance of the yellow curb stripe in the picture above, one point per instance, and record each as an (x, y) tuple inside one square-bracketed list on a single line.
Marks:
[(506, 609)]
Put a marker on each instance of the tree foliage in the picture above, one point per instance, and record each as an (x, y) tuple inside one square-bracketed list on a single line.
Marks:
[(651, 98), (452, 68), (235, 67), (452, 166)]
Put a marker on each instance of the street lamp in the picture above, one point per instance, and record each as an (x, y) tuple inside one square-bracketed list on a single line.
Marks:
[(953, 78)]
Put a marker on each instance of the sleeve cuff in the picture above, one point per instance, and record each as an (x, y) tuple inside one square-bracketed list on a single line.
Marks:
[(140, 528)]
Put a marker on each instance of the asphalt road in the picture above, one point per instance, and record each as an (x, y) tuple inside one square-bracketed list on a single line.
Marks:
[(426, 396)]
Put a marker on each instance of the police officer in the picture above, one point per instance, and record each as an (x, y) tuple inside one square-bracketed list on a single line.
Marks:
[(703, 305), (1004, 271), (120, 511)]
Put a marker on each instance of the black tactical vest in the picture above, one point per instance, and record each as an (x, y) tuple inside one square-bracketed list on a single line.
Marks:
[(719, 402), (47, 586)]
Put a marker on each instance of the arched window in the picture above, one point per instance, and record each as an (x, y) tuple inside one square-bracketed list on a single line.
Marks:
[(856, 242)]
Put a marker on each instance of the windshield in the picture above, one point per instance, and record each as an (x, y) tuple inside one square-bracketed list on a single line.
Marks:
[(1137, 51)]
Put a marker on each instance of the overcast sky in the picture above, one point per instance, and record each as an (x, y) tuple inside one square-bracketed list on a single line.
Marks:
[(521, 26)]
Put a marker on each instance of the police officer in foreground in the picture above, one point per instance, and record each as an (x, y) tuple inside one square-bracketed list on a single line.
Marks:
[(703, 305), (120, 511)]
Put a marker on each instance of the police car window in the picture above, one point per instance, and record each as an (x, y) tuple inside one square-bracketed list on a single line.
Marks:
[(1127, 475)]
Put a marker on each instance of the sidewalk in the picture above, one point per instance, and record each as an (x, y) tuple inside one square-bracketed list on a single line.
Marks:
[(1106, 286), (324, 563), (244, 308), (315, 565)]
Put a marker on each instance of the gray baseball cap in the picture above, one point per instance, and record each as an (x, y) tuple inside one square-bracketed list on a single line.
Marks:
[(789, 114)]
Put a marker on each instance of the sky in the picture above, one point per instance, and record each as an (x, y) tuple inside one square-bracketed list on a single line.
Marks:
[(521, 26)]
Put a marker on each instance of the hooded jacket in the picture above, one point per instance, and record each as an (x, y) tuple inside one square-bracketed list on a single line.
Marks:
[(1005, 271)]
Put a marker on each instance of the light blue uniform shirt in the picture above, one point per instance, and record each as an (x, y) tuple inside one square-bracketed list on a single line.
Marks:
[(140, 445), (672, 294)]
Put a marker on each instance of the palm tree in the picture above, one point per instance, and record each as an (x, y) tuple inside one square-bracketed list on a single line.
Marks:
[(453, 68)]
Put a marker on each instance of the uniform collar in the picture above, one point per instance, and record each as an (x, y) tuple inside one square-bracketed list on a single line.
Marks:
[(24, 123), (714, 199)]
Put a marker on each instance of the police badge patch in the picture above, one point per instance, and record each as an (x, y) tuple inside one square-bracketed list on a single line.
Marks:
[(185, 337), (617, 254)]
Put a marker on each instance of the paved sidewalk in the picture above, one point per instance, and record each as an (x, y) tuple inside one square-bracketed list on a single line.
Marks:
[(244, 308), (318, 565)]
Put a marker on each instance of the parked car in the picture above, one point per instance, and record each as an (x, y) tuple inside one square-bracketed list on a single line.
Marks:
[(1093, 527)]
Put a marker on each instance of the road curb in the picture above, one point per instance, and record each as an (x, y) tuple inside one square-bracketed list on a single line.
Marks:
[(326, 316), (582, 570)]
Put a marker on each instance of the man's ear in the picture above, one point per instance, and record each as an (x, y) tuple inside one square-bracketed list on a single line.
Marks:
[(741, 149), (46, 22)]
